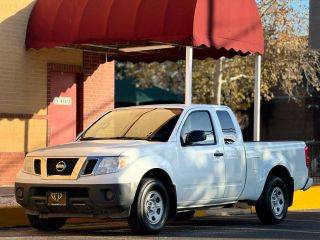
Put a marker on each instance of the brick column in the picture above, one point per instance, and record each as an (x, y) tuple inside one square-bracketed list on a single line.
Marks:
[(98, 86)]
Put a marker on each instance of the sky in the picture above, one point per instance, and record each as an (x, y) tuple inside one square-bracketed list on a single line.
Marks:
[(304, 5), (304, 2)]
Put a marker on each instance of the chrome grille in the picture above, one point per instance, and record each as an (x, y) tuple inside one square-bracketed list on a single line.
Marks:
[(61, 166)]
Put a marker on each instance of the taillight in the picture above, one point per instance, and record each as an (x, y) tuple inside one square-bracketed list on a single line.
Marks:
[(308, 157)]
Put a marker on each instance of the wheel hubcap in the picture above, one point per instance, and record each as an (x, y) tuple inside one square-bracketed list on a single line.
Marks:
[(277, 201), (154, 207)]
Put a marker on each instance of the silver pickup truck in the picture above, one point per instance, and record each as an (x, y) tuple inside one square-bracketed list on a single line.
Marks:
[(148, 164)]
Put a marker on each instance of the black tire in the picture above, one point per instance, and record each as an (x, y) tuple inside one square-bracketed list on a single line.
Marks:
[(273, 212), (184, 216), (46, 225), (138, 220)]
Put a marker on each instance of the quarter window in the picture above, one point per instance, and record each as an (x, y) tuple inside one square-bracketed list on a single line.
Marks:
[(228, 128), (198, 121)]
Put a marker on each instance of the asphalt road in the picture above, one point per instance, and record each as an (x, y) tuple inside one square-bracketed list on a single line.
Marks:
[(297, 226)]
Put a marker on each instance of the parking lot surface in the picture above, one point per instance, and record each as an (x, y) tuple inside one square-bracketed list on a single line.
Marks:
[(299, 225)]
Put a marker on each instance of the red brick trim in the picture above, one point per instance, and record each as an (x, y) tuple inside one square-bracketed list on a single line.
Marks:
[(10, 164), (57, 67), (11, 155), (98, 86), (22, 116)]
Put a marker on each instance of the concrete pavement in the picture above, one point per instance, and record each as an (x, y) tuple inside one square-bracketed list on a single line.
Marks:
[(12, 215), (299, 225), (7, 197)]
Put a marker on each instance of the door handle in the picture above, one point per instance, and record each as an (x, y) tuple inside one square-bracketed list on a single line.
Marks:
[(218, 154)]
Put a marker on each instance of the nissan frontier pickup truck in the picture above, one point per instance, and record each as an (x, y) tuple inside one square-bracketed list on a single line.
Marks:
[(149, 164)]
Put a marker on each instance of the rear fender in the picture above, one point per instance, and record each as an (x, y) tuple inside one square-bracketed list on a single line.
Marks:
[(256, 181)]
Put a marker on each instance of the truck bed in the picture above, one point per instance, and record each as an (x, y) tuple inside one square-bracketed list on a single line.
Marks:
[(262, 155)]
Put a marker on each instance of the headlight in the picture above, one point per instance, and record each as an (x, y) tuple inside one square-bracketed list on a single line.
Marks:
[(109, 165), (28, 166)]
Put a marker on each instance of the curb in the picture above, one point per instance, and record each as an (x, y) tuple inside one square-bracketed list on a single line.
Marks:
[(13, 217), (308, 200)]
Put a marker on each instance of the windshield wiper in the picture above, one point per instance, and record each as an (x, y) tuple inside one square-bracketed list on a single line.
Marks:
[(127, 138), (91, 138), (112, 138)]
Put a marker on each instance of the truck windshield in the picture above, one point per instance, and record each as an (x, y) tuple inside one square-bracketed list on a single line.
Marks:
[(151, 124)]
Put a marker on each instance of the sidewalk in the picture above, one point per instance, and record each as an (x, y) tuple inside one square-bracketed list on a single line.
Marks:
[(7, 197)]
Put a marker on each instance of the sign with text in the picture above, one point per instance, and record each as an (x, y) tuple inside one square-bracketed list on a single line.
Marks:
[(63, 101)]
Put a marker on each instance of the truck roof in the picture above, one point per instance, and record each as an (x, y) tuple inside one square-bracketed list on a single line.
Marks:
[(182, 106)]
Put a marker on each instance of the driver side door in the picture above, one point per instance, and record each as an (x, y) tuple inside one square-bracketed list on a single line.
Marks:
[(202, 166)]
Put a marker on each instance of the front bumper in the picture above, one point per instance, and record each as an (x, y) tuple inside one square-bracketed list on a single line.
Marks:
[(308, 184), (82, 200)]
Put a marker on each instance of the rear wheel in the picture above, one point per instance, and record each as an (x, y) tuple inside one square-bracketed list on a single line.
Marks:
[(48, 224), (149, 212), (273, 204)]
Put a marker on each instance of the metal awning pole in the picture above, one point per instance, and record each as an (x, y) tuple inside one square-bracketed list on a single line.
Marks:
[(257, 99), (188, 79)]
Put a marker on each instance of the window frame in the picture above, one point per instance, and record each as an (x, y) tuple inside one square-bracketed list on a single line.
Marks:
[(212, 125), (233, 123)]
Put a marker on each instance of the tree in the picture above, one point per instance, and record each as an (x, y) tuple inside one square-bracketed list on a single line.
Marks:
[(289, 66)]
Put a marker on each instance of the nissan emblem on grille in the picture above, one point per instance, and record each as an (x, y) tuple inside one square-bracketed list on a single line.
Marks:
[(61, 166)]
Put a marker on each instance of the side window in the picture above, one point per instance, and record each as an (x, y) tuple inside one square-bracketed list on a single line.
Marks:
[(198, 121), (228, 128)]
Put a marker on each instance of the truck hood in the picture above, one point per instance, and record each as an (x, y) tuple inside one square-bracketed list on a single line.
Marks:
[(92, 148)]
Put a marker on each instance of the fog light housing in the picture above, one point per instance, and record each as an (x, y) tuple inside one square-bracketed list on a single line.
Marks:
[(19, 193), (109, 195)]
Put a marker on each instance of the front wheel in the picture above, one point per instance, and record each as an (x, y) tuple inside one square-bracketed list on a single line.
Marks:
[(272, 207), (150, 210), (49, 224)]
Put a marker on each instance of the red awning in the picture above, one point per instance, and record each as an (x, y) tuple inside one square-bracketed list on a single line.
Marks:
[(214, 27)]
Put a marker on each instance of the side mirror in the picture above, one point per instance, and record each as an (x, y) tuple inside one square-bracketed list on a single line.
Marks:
[(195, 136)]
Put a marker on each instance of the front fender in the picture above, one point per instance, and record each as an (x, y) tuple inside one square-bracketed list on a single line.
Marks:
[(143, 165)]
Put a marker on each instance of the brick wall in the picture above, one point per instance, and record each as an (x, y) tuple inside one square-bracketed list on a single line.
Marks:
[(23, 73), (98, 86), (276, 115), (23, 86)]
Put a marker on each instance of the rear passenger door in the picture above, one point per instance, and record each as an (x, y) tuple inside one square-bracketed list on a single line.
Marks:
[(202, 168), (234, 155)]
